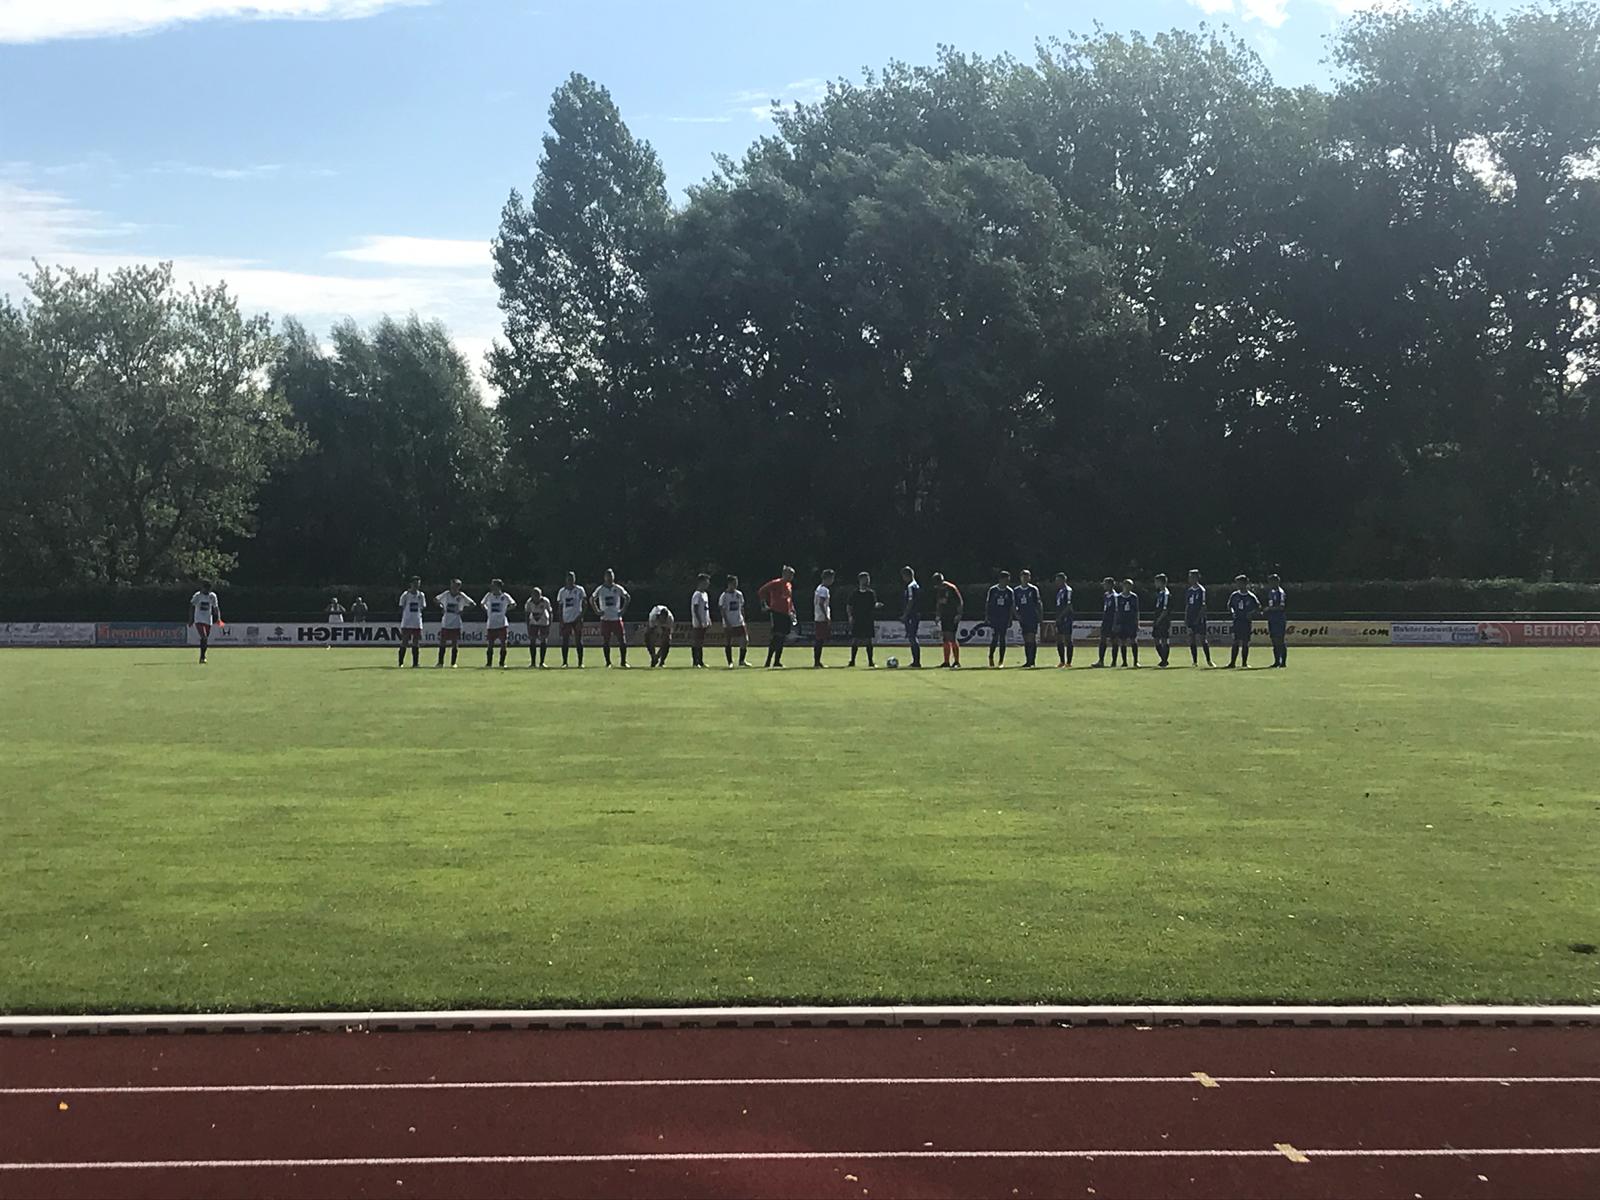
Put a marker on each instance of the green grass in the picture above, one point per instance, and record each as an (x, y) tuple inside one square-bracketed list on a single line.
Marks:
[(317, 829)]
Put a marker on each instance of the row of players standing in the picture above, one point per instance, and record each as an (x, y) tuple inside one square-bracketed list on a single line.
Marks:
[(1005, 604)]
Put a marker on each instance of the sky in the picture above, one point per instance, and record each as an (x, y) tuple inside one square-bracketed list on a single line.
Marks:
[(349, 158)]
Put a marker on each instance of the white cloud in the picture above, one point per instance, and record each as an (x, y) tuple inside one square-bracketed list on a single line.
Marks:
[(45, 20), (396, 251), (1346, 8), (200, 170), (436, 278), (1213, 7), (758, 103), (1272, 13)]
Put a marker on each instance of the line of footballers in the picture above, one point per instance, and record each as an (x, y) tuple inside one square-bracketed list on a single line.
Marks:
[(1005, 605)]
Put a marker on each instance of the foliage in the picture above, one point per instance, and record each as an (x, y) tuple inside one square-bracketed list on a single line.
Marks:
[(138, 427)]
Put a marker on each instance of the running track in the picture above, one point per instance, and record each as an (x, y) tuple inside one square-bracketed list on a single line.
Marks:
[(1007, 1112)]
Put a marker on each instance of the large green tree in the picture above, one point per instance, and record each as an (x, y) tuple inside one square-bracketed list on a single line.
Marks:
[(576, 372), (139, 426), (403, 472)]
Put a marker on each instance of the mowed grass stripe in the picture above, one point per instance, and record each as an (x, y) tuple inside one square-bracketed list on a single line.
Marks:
[(317, 830)]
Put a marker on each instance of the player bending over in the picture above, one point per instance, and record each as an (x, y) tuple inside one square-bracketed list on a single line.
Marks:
[(538, 612), (658, 634), (1278, 621), (1108, 621), (777, 597), (1063, 620), (412, 603), (1243, 605), (203, 614), (571, 600), (453, 601), (497, 607), (1194, 619), (610, 600), (863, 607), (1030, 612), (1128, 622), (947, 606), (699, 619), (998, 609), (821, 617), (1161, 625)]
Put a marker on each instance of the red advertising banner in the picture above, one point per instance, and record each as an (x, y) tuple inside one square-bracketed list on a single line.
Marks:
[(1539, 633)]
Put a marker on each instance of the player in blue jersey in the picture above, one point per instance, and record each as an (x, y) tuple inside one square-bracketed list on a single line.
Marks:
[(1278, 621), (1161, 621), (1242, 606), (1063, 620), (1030, 613), (1128, 622), (1194, 619), (1108, 621), (999, 607), (911, 614)]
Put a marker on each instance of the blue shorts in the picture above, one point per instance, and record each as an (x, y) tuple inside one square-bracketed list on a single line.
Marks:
[(1127, 633), (1241, 631), (1278, 628), (1108, 629), (1195, 624), (1001, 624), (1029, 628)]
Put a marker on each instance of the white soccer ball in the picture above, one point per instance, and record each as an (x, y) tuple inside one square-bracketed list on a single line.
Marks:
[(892, 662)]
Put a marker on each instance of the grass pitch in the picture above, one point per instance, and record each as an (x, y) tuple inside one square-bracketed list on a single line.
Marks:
[(317, 829)]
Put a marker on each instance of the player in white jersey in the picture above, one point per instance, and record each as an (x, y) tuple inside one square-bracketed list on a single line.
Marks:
[(203, 614), (412, 604), (538, 610), (699, 619), (821, 617), (734, 629), (658, 634), (453, 602), (610, 600), (497, 605), (571, 601)]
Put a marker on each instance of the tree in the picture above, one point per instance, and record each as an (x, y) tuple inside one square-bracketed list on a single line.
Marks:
[(404, 467), (147, 429), (576, 372)]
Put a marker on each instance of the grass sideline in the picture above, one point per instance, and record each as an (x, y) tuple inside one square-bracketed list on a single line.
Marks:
[(317, 830)]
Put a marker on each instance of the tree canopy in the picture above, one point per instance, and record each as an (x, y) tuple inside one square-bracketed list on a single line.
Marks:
[(1126, 305)]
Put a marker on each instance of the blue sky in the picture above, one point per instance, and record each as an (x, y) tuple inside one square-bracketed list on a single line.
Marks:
[(350, 157)]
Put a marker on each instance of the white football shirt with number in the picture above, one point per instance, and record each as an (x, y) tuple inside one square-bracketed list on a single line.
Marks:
[(538, 610), (661, 616), (411, 606), (732, 606), (453, 606), (820, 604), (610, 599), (571, 600), (204, 607), (498, 609), (700, 610)]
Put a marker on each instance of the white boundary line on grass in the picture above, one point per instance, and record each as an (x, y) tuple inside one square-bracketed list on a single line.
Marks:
[(534, 1085), (466, 1160), (913, 1016)]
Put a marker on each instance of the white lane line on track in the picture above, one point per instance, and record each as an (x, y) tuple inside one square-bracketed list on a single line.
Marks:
[(177, 1089), (473, 1160)]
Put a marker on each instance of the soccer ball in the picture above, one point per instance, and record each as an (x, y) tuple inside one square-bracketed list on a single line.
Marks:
[(892, 663)]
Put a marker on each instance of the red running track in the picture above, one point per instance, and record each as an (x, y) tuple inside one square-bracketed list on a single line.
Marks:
[(1094, 1112)]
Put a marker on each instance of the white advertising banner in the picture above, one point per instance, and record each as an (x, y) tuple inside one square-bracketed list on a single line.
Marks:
[(47, 633), (1435, 633)]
